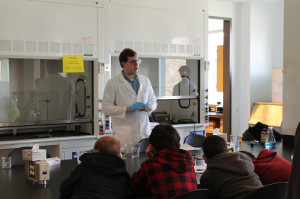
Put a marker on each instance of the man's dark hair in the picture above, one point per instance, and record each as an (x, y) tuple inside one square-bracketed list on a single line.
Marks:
[(214, 145), (127, 52), (164, 136)]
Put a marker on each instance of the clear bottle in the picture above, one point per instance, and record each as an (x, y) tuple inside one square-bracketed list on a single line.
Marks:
[(270, 142), (263, 135)]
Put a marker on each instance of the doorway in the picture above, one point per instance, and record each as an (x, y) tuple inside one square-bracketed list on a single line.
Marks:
[(219, 82)]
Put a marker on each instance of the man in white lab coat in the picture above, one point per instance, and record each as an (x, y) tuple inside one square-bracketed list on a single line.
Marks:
[(128, 99)]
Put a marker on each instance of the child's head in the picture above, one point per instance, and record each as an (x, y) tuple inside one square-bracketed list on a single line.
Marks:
[(164, 136), (213, 145), (108, 144)]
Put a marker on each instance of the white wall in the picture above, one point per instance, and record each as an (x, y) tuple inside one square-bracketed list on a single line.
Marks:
[(256, 47), (240, 70), (291, 69), (266, 40)]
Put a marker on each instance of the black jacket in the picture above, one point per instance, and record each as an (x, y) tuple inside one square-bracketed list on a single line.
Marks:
[(99, 175)]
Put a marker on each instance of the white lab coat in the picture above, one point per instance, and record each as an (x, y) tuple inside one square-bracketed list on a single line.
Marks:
[(130, 127)]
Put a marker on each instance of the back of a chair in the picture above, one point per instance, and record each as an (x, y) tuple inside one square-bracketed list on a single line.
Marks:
[(195, 140), (143, 144), (273, 191), (197, 194)]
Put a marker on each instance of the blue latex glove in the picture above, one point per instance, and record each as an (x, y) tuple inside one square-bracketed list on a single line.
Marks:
[(137, 106)]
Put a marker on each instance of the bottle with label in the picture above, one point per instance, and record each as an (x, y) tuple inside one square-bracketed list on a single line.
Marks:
[(270, 142), (263, 135)]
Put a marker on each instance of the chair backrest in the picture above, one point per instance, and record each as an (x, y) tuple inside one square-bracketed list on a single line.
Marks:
[(143, 144), (194, 140), (274, 191), (247, 136), (16, 156), (197, 194)]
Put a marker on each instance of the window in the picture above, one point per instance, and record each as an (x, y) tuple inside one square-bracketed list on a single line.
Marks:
[(34, 90), (165, 76), (215, 39)]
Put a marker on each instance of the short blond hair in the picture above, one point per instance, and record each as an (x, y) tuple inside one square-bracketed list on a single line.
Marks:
[(108, 144)]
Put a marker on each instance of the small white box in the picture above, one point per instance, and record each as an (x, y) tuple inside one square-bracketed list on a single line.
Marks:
[(53, 161), (34, 154)]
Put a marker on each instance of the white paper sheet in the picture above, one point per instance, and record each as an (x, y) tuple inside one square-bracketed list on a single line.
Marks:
[(188, 147), (199, 169)]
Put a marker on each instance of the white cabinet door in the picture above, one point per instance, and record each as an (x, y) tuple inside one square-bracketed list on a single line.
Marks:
[(71, 153)]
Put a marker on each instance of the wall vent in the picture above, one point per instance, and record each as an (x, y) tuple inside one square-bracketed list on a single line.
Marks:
[(42, 47), (173, 48), (5, 45), (128, 44), (18, 46), (156, 47), (30, 46), (181, 49), (189, 49), (147, 47), (66, 48), (77, 49), (54, 47), (22, 48), (165, 48), (118, 46), (138, 46)]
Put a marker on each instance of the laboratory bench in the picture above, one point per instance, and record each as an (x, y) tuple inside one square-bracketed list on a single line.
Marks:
[(13, 183), (64, 147)]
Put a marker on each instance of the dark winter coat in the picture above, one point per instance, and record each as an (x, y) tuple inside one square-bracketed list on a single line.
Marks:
[(230, 176), (99, 175)]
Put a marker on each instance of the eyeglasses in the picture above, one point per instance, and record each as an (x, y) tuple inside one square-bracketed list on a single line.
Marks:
[(138, 61)]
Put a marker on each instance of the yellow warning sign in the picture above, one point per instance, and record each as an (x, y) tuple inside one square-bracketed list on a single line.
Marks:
[(73, 64)]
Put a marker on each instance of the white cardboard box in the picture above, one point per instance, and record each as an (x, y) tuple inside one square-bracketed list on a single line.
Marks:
[(34, 154), (53, 161)]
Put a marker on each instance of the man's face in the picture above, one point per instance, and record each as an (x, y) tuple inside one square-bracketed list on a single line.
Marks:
[(131, 67)]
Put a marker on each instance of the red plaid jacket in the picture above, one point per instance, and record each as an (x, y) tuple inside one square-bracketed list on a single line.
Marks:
[(169, 173)]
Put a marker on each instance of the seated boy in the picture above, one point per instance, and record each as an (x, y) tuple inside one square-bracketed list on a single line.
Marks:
[(229, 175), (101, 174), (168, 171), (269, 167)]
